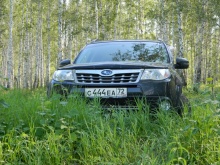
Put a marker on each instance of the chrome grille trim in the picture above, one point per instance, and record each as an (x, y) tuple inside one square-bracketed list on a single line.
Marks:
[(117, 76)]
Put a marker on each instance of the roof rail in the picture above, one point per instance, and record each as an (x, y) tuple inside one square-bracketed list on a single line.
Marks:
[(94, 40), (159, 39)]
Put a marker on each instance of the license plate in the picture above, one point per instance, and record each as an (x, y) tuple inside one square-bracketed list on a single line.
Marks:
[(106, 92)]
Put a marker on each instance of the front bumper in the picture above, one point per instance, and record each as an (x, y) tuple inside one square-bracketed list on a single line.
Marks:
[(152, 93)]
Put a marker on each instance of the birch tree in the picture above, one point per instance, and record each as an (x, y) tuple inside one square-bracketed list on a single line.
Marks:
[(180, 30), (97, 19), (192, 26), (38, 58), (163, 21), (60, 49), (10, 74), (26, 55), (3, 55), (199, 44), (20, 55), (48, 44)]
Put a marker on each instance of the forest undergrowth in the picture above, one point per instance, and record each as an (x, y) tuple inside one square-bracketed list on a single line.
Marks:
[(37, 130)]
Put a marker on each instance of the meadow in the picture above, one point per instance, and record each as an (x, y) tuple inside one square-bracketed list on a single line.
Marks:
[(41, 131)]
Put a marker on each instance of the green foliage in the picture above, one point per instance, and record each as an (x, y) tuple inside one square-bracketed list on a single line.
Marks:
[(37, 130), (83, 21)]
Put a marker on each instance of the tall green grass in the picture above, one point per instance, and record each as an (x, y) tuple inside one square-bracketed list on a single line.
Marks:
[(37, 130)]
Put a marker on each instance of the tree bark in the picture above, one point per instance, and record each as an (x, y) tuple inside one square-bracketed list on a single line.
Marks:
[(60, 11), (199, 48), (180, 31), (10, 73), (48, 45), (97, 19), (20, 59), (26, 55), (163, 23), (38, 50)]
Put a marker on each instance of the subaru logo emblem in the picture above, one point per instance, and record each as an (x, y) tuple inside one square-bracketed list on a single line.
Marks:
[(106, 72)]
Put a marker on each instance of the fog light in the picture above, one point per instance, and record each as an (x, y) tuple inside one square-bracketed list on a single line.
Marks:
[(165, 105)]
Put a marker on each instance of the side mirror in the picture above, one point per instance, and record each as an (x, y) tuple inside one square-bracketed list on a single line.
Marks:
[(64, 62), (181, 63)]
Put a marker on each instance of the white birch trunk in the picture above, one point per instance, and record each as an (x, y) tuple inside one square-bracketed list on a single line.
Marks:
[(10, 73), (31, 60), (4, 67), (48, 45), (116, 23), (199, 51), (65, 32), (199, 54), (163, 23), (102, 22), (59, 57), (26, 56), (20, 58), (119, 19), (70, 43), (218, 58), (97, 19), (161, 19), (180, 31), (41, 69), (38, 51), (138, 21), (27, 51)]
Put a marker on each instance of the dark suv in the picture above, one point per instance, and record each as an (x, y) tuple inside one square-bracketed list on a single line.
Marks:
[(122, 71)]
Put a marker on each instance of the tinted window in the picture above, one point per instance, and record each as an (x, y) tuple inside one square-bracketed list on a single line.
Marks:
[(124, 51)]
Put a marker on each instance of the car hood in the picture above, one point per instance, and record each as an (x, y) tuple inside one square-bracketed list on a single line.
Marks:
[(117, 65)]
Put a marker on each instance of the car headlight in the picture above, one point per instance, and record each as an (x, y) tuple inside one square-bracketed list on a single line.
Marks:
[(62, 75), (155, 74)]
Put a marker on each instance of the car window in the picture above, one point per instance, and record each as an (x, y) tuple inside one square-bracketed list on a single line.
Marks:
[(124, 51)]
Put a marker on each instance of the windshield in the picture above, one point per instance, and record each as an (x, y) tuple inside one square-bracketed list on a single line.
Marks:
[(123, 51)]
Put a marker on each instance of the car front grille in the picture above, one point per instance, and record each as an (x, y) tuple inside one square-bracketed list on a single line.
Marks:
[(94, 78)]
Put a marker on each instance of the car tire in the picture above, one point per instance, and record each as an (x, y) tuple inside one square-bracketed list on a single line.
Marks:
[(184, 108)]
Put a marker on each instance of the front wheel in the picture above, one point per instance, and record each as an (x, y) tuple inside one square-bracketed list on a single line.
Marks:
[(184, 108)]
